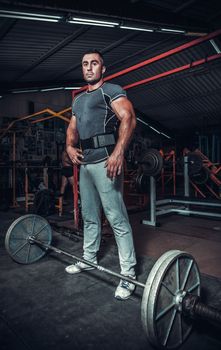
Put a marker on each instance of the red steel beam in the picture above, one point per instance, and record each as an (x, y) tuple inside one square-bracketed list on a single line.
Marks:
[(173, 71), (166, 54), (158, 57)]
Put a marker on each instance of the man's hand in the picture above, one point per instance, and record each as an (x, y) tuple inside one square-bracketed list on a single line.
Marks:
[(114, 164), (75, 154)]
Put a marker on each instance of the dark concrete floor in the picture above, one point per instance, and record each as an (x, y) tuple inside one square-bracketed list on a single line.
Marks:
[(42, 307), (199, 236)]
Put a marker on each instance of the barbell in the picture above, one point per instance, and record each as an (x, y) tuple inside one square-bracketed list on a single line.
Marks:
[(152, 162), (171, 293)]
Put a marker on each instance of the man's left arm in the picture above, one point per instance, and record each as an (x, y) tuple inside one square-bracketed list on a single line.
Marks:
[(124, 111)]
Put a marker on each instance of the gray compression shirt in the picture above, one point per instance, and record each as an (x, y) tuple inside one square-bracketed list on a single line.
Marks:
[(95, 116)]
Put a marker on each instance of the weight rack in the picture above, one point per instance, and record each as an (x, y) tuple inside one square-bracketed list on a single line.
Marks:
[(175, 205)]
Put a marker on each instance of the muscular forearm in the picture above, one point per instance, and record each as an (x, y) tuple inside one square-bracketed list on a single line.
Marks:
[(126, 129), (71, 138), (75, 154), (115, 162)]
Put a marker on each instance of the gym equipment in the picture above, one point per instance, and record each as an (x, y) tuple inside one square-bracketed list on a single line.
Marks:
[(16, 241), (152, 162), (171, 294), (184, 205), (201, 177), (195, 163), (141, 182)]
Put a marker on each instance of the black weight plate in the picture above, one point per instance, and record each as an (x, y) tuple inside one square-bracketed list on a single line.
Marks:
[(200, 178), (152, 162), (142, 183), (195, 163), (17, 241)]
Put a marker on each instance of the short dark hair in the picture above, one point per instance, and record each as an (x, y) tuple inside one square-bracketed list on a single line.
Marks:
[(94, 51)]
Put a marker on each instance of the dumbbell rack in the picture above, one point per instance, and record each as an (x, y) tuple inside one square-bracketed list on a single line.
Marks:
[(179, 206)]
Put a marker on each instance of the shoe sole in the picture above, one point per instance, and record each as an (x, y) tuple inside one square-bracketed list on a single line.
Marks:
[(122, 299)]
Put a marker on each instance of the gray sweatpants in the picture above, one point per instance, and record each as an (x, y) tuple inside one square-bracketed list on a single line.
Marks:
[(97, 190)]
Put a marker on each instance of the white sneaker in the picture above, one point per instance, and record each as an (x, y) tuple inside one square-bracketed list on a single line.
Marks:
[(125, 289), (79, 267)]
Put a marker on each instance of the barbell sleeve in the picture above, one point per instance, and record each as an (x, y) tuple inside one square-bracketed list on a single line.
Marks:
[(207, 312), (193, 307)]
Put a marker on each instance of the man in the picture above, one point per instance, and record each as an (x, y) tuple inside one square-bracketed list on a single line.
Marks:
[(66, 172), (103, 122), (66, 177)]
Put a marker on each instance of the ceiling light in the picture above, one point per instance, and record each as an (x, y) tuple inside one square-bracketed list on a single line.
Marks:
[(91, 23), (215, 46), (45, 90), (162, 133), (151, 127), (94, 21), (142, 121), (137, 28), (30, 16), (24, 91), (52, 89), (195, 34), (169, 30), (72, 88)]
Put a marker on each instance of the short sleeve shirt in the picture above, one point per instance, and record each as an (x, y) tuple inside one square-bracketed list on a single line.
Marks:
[(95, 116)]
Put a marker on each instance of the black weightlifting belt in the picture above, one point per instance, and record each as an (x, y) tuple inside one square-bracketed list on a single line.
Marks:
[(98, 141)]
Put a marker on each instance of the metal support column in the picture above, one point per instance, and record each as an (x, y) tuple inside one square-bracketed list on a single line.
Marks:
[(152, 220)]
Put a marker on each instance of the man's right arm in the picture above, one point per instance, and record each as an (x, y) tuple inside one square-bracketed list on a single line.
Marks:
[(71, 141)]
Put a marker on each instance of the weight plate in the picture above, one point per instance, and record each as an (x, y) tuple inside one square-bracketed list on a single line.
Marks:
[(149, 282), (195, 163), (201, 178), (142, 183), (174, 274), (152, 162), (17, 241)]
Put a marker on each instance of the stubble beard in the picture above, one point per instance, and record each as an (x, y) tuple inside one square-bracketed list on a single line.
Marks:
[(93, 82)]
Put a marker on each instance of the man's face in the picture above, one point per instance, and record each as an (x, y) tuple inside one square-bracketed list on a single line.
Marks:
[(92, 67)]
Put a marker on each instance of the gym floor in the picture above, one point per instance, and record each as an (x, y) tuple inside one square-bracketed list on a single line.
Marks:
[(42, 307)]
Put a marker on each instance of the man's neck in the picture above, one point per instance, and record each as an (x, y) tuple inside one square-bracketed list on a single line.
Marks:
[(95, 86)]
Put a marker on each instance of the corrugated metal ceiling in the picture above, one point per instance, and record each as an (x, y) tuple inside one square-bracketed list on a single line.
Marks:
[(41, 54)]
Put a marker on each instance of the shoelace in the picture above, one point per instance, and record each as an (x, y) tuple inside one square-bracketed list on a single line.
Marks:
[(79, 264), (125, 284)]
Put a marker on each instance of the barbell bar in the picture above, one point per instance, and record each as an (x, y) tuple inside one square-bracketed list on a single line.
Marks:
[(171, 294)]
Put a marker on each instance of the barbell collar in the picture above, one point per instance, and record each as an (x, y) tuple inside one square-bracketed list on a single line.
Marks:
[(189, 303), (96, 266)]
